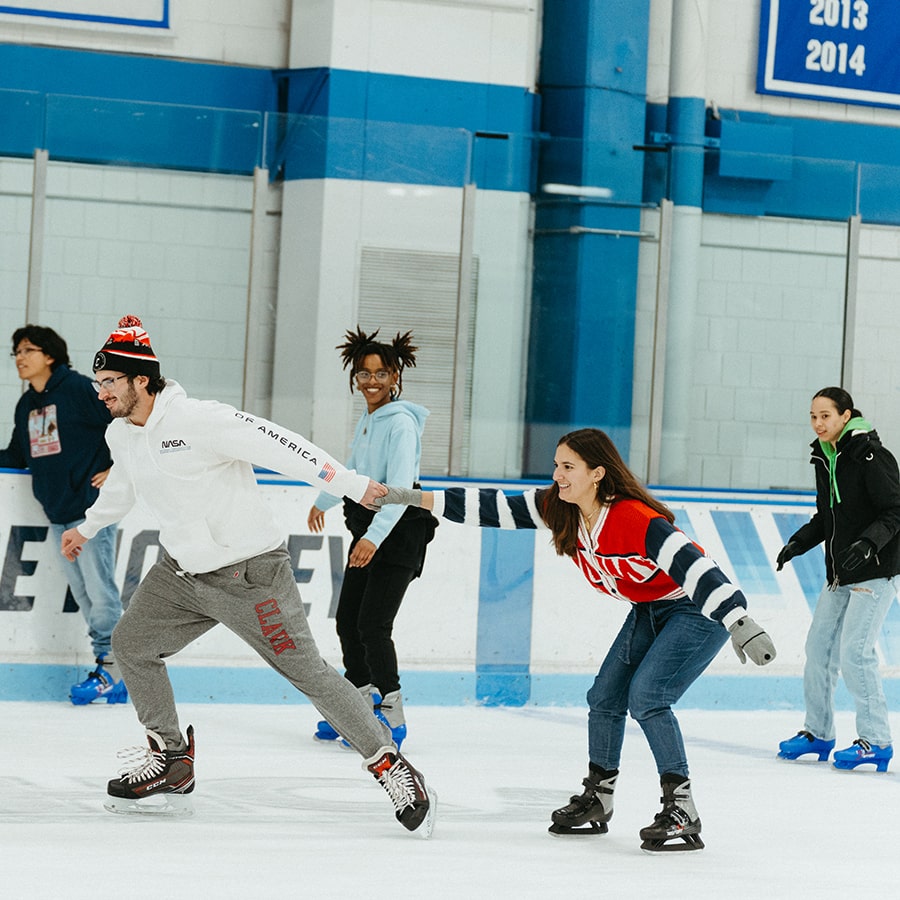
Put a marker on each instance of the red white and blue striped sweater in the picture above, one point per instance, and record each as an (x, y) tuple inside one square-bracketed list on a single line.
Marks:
[(632, 553)]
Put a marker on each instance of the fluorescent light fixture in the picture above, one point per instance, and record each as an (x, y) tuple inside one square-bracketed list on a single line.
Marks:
[(577, 190)]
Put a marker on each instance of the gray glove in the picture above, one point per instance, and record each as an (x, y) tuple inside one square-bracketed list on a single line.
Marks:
[(748, 639), (401, 495)]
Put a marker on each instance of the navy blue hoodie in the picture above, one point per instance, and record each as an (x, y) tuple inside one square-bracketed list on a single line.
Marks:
[(59, 435)]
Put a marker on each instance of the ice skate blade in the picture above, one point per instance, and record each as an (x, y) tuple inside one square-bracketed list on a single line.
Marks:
[(426, 829), (849, 766), (821, 757), (673, 845), (588, 830), (162, 805)]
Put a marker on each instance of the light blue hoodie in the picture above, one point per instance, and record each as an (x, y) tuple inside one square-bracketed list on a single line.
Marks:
[(386, 446)]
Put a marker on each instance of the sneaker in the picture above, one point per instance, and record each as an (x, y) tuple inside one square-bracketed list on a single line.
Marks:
[(862, 752), (99, 683), (803, 742), (414, 805), (157, 774)]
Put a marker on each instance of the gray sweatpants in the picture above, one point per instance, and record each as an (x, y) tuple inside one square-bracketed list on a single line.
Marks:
[(259, 601)]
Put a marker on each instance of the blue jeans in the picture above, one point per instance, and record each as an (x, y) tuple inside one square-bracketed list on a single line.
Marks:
[(661, 649), (842, 636), (92, 580)]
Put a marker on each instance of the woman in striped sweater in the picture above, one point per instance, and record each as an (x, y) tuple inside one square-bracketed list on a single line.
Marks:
[(682, 609)]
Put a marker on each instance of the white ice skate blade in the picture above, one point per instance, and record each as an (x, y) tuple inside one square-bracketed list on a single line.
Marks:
[(163, 805), (426, 829)]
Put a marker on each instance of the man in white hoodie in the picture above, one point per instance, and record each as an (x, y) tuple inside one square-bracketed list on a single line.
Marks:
[(191, 462)]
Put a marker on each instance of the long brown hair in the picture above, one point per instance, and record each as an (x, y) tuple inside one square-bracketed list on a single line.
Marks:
[(619, 482)]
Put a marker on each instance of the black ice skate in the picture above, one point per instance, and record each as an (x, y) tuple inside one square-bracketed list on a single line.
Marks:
[(678, 822), (156, 781), (587, 813), (415, 805)]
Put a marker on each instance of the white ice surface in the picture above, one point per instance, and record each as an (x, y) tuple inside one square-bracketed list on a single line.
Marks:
[(278, 815)]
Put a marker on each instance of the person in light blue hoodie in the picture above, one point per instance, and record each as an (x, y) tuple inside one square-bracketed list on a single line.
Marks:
[(387, 551)]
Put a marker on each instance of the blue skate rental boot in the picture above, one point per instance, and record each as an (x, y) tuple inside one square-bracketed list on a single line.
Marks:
[(803, 742), (390, 710), (155, 780), (327, 733), (101, 683), (677, 822), (862, 752), (587, 813)]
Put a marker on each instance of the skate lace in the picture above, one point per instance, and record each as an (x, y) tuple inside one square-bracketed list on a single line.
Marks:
[(142, 763), (863, 745), (398, 782)]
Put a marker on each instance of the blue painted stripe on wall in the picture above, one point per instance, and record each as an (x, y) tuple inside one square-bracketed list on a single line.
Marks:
[(365, 126), (836, 168), (503, 650), (24, 682)]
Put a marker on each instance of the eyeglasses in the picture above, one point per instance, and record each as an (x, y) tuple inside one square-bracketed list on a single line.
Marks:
[(24, 351), (107, 383), (381, 375)]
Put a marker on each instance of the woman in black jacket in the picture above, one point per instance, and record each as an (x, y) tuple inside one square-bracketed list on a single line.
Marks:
[(858, 518)]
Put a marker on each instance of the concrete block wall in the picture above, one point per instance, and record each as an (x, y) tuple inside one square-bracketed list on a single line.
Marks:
[(769, 333), (170, 247)]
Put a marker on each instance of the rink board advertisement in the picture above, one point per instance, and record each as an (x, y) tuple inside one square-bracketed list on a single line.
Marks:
[(496, 617), (839, 50)]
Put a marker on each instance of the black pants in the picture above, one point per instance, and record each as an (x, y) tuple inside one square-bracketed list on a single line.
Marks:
[(369, 601)]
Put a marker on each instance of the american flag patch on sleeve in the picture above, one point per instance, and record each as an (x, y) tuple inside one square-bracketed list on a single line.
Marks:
[(328, 472)]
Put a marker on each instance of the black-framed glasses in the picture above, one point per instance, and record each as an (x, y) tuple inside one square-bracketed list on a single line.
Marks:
[(107, 383), (24, 351), (381, 375)]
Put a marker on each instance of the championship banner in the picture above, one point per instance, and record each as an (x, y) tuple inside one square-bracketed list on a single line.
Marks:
[(133, 13), (839, 50)]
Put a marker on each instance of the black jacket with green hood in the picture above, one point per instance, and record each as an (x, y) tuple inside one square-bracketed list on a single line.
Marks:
[(857, 496)]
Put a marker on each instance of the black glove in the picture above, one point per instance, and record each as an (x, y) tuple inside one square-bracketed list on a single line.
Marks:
[(856, 554), (788, 552)]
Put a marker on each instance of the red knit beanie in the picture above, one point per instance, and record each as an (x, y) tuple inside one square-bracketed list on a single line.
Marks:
[(128, 350)]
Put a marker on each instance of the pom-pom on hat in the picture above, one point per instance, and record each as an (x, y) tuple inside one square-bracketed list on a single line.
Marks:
[(128, 350)]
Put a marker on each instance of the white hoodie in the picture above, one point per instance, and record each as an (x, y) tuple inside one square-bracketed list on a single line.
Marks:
[(191, 464)]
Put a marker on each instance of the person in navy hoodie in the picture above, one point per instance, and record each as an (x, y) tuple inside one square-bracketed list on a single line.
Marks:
[(388, 550), (59, 435)]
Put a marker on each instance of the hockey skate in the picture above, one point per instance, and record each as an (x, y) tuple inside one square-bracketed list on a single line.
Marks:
[(803, 742), (862, 752), (414, 804), (101, 683), (677, 823), (587, 813), (155, 781)]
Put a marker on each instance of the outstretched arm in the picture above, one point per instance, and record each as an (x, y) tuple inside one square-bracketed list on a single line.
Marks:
[(481, 507)]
